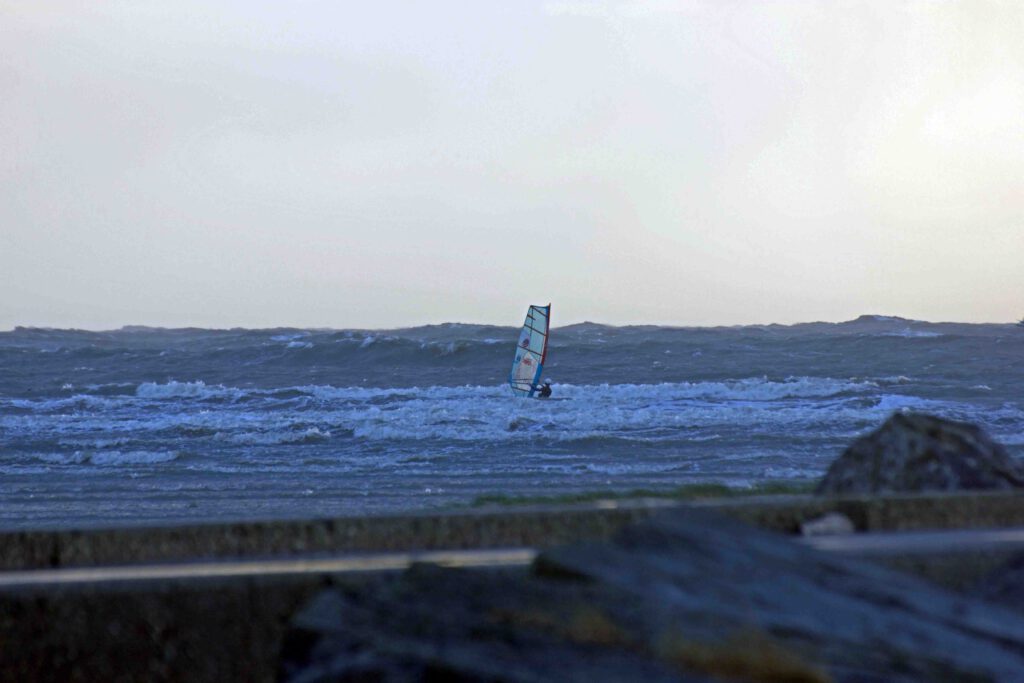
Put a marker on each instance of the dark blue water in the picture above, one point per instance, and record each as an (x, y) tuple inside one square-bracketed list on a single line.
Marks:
[(144, 426)]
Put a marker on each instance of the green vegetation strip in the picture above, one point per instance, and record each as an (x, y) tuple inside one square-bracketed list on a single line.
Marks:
[(706, 491)]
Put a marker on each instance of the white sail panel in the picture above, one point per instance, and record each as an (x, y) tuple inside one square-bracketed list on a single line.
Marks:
[(531, 351)]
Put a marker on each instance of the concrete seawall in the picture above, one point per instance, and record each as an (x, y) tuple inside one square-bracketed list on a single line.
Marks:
[(535, 526), (230, 628)]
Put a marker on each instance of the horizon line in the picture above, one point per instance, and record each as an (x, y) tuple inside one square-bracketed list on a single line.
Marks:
[(866, 317)]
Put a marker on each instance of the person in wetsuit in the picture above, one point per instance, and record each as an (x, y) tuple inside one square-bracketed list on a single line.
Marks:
[(544, 391)]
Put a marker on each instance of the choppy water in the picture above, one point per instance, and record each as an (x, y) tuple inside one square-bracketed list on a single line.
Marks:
[(143, 426)]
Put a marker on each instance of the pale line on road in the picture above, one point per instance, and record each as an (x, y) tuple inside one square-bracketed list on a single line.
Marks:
[(503, 557), (920, 542), (878, 543)]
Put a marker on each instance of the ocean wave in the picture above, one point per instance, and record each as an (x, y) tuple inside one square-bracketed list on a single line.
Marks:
[(132, 457), (311, 435), (447, 348), (776, 473), (621, 468), (636, 413), (96, 444), (750, 389), (111, 388), (902, 402), (1015, 439), (173, 389), (103, 458), (249, 421), (754, 388), (75, 402), (473, 354), (909, 333)]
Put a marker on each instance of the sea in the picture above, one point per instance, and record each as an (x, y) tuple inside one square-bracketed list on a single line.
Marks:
[(152, 426)]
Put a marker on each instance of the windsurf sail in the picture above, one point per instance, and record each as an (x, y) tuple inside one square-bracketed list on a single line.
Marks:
[(531, 351)]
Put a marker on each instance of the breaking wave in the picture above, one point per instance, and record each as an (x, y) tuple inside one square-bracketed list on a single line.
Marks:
[(107, 458), (371, 420)]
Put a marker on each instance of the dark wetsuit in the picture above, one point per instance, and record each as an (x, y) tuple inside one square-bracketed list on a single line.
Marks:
[(544, 391)]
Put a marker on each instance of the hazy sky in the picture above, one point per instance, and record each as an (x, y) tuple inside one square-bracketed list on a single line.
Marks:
[(380, 164)]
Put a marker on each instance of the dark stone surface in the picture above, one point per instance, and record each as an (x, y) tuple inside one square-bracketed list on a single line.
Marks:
[(197, 631), (461, 625), (684, 596), (917, 452), (1004, 585)]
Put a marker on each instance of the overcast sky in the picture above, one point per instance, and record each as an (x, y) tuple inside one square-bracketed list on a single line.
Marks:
[(384, 164)]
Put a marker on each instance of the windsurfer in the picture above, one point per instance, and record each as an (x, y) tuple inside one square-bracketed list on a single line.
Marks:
[(544, 391)]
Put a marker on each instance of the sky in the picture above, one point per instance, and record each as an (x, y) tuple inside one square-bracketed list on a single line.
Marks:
[(324, 164)]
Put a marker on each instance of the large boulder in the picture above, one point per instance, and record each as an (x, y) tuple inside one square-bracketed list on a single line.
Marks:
[(918, 452), (686, 596), (1004, 585)]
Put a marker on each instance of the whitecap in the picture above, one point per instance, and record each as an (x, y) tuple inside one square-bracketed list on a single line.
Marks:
[(173, 389), (107, 458), (911, 334), (114, 458)]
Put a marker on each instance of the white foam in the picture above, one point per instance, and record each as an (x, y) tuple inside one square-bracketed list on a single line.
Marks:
[(911, 334), (896, 379), (1016, 439), (635, 412), (173, 389), (311, 435), (893, 402), (76, 458), (78, 401), (444, 348), (626, 468), (276, 432), (751, 389), (98, 444), (107, 458), (789, 473), (682, 412)]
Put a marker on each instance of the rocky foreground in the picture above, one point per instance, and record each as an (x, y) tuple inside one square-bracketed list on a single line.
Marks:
[(684, 596), (689, 595), (738, 591)]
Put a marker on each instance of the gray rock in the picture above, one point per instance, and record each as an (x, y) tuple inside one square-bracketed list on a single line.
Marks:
[(461, 625), (686, 596), (1004, 586), (712, 578), (831, 524), (917, 452)]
